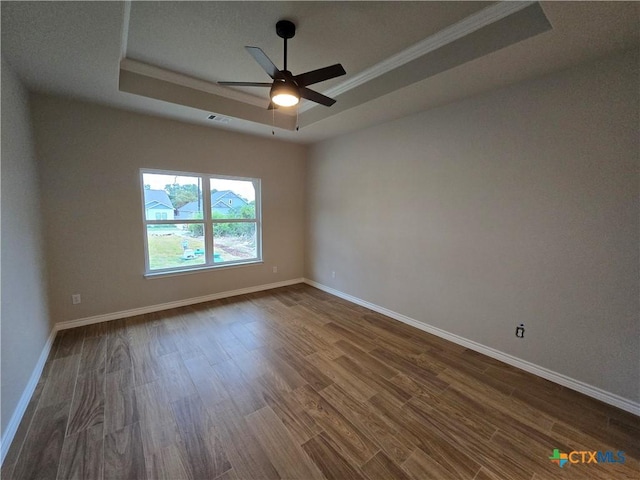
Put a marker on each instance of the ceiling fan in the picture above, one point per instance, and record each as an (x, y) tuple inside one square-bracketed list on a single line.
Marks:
[(286, 88)]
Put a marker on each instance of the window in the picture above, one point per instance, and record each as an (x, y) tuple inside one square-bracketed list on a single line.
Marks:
[(189, 226)]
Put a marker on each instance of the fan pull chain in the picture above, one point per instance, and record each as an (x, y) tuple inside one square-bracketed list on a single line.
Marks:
[(273, 121), (297, 117)]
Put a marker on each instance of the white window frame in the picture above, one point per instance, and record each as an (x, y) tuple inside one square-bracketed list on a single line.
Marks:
[(208, 222)]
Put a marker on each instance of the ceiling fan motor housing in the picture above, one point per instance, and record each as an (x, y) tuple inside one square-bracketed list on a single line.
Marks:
[(287, 88)]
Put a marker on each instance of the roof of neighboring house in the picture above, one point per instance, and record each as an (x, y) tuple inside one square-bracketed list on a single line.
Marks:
[(190, 207), (216, 197), (157, 198)]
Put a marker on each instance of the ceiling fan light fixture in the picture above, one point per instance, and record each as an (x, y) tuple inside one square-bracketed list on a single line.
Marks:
[(284, 95), (285, 100)]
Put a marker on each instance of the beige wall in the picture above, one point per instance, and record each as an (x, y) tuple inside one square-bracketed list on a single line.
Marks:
[(89, 159), (24, 324), (516, 206)]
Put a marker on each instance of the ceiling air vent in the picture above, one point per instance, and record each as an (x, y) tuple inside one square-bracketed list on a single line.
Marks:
[(218, 118)]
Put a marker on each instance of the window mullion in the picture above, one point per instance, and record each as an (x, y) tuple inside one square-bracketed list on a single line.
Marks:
[(171, 222), (257, 185), (234, 220), (206, 215)]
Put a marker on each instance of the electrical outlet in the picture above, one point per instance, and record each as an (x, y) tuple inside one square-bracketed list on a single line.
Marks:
[(333, 274), (75, 299), (275, 269)]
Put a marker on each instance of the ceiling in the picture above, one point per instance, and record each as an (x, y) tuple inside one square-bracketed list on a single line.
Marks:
[(164, 58)]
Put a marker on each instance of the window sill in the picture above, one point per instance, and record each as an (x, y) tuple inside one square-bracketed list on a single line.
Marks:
[(206, 268)]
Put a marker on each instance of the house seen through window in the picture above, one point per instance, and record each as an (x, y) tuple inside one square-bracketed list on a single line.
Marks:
[(194, 221)]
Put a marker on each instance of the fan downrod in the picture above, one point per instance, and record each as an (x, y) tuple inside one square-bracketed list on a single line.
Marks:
[(285, 29)]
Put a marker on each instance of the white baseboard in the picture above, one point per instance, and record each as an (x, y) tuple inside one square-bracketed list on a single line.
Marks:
[(166, 306), (25, 398), (577, 385)]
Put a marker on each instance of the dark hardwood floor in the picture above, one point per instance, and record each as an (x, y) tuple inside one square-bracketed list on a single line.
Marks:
[(296, 384)]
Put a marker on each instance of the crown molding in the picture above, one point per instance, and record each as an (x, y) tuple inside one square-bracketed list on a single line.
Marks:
[(124, 34), (464, 27)]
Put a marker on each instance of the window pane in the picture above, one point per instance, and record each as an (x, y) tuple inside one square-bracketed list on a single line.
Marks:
[(172, 246), (172, 197), (232, 198), (234, 241)]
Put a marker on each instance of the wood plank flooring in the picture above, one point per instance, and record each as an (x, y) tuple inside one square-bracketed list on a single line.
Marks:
[(296, 384)]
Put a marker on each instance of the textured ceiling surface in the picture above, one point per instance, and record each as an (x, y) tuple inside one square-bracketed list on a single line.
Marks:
[(204, 40), (80, 50)]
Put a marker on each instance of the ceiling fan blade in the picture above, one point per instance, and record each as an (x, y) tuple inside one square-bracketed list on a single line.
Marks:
[(316, 97), (264, 61), (319, 75), (246, 84)]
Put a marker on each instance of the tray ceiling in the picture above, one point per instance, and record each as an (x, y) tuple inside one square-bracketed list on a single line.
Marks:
[(164, 58)]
